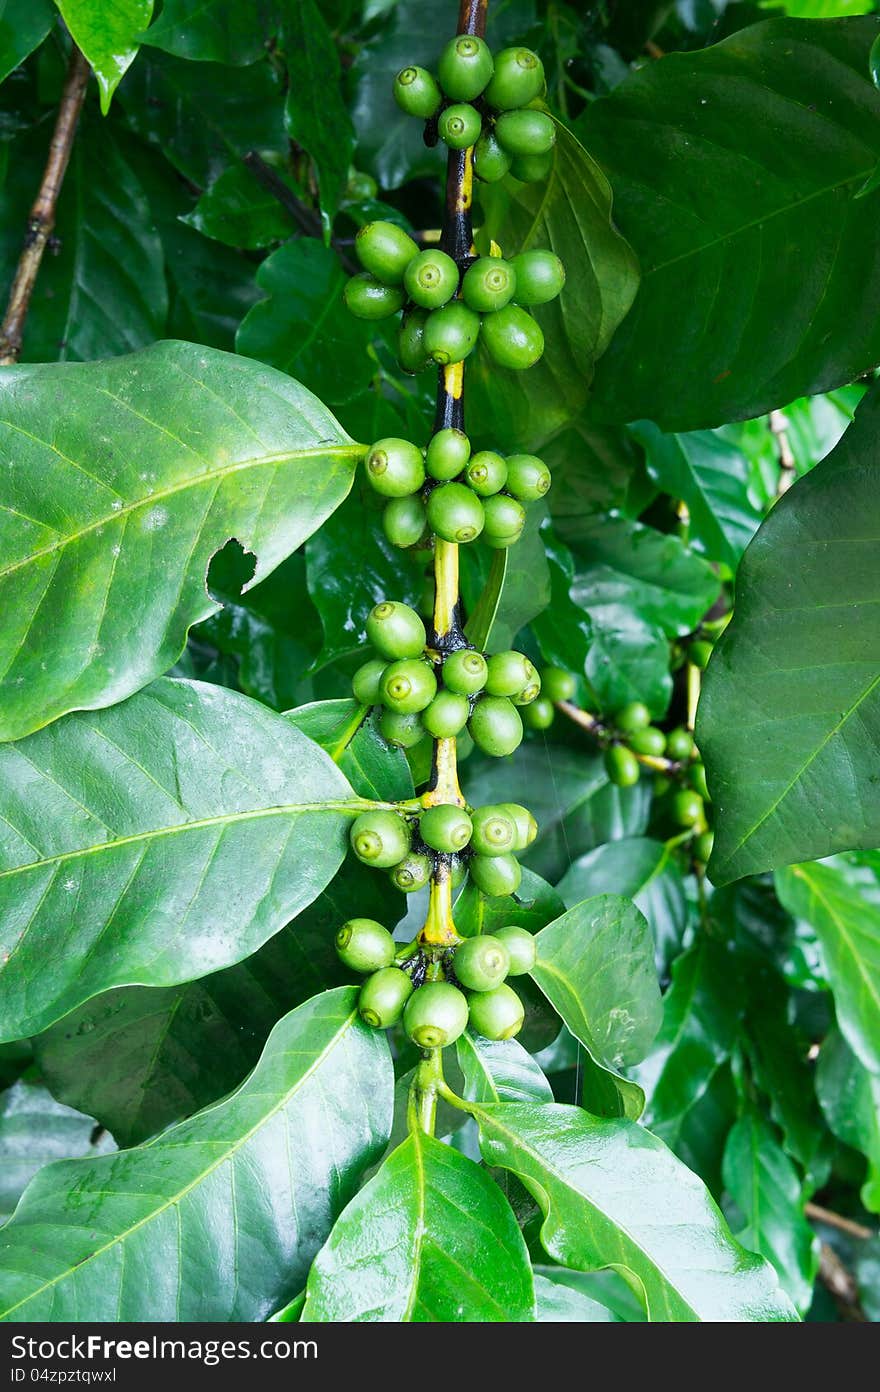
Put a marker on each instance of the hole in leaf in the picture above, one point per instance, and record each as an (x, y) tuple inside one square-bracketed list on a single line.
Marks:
[(229, 570)]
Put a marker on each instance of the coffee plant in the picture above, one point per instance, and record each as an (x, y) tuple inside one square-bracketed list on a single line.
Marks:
[(439, 661)]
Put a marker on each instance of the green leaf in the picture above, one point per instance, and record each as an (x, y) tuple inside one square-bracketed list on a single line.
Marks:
[(850, 1099), (441, 1243), (109, 35), (500, 1071), (35, 1129), (503, 591), (160, 457), (239, 211), (213, 31), (840, 898), (24, 25), (344, 731), (315, 113), (734, 168), (483, 612), (251, 1186), (558, 1303), (613, 1195), (596, 967), (155, 842), (604, 1295), (570, 212), (767, 1191), (139, 1058), (791, 699), (595, 469)]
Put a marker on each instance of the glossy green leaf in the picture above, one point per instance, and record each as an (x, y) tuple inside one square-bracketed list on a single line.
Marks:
[(613, 1195), (735, 171), (558, 1303), (213, 31), (344, 730), (789, 718), (482, 614), (850, 1099), (315, 113), (430, 1239), (34, 1130), (503, 591), (252, 1185), (24, 25), (155, 842), (109, 35), (500, 1071), (159, 457), (239, 211), (595, 469), (597, 1290)]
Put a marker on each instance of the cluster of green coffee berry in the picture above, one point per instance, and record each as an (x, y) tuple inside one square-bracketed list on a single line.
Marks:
[(457, 495), (447, 313), (478, 99), (438, 694), (436, 1011)]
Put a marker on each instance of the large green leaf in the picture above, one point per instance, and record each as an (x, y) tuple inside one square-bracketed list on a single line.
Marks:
[(108, 32), (35, 1129), (238, 211), (500, 1071), (343, 729), (315, 113), (24, 25), (155, 842), (789, 720), (504, 590), (108, 520), (226, 1210), (213, 31), (735, 172), (613, 1195), (430, 1239), (850, 1099)]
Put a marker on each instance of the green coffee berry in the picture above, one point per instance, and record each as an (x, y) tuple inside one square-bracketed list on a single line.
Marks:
[(512, 337), (526, 826), (540, 275), (454, 513), (697, 780), (634, 716), (687, 808), (481, 963), (528, 477), (491, 162), (532, 169), (703, 847), (413, 872), (496, 875), (360, 187), (395, 630), (411, 351), (508, 673), (380, 839), (383, 997), (494, 832), (408, 685), (622, 766), (525, 132), (431, 279), (435, 1015), (447, 715), (405, 731), (699, 653), (364, 945), (497, 1014), (487, 473), (445, 828), (404, 521), (368, 298), (529, 693), (679, 745), (518, 78), (385, 250), (416, 93), (459, 126), (539, 714), (366, 680), (521, 949), (447, 454), (465, 672), (650, 740), (464, 67), (451, 333), (489, 284), (504, 520), (495, 726), (557, 684), (395, 467)]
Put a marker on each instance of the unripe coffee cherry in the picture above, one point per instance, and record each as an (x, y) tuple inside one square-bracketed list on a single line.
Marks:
[(368, 298), (454, 513), (528, 477), (481, 963), (451, 333), (411, 351), (365, 945), (539, 714), (395, 467), (405, 731), (380, 839), (532, 169), (648, 741), (540, 275), (495, 726), (395, 630), (489, 284), (497, 1014), (504, 520), (431, 279), (385, 250), (383, 996), (529, 693), (687, 808), (404, 521), (447, 454), (518, 78), (465, 671), (699, 653), (416, 93), (495, 875), (526, 826), (621, 765), (435, 1015), (491, 161), (521, 949), (460, 126), (697, 780), (557, 684), (445, 828), (703, 847), (508, 673), (361, 186), (512, 337), (679, 745), (447, 715), (408, 685), (494, 832), (464, 67), (487, 473), (366, 681), (634, 716), (525, 132), (413, 872)]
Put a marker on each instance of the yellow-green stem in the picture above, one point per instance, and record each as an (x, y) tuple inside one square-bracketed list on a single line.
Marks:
[(439, 929)]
